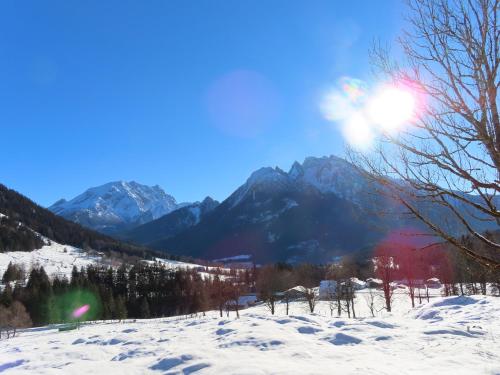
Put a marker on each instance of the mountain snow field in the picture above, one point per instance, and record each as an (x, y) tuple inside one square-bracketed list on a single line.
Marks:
[(453, 335)]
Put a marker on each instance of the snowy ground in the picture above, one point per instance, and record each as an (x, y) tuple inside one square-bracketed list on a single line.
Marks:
[(456, 335)]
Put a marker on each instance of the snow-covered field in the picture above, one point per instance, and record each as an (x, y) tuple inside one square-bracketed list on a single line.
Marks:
[(455, 335)]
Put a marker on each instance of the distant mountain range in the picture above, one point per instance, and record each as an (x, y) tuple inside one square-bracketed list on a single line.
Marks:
[(311, 213), (116, 206), (316, 211)]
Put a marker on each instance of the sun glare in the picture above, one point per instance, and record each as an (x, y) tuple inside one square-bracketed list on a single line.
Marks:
[(362, 114), (357, 132), (391, 108)]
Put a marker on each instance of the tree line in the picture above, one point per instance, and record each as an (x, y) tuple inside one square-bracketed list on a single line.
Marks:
[(153, 290), (138, 291)]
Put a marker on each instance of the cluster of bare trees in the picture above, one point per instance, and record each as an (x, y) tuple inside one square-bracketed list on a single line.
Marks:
[(436, 266), (282, 282), (12, 318), (341, 298), (225, 294)]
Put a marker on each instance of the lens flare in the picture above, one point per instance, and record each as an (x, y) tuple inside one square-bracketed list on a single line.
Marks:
[(335, 106), (358, 132), (364, 114), (77, 313), (342, 101), (243, 103), (354, 89), (391, 108)]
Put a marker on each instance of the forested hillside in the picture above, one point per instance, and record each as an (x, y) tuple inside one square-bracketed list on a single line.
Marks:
[(19, 209), (14, 237)]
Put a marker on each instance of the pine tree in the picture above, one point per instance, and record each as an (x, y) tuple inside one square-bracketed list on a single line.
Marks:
[(39, 296), (144, 309), (108, 305), (121, 281), (6, 297), (12, 273), (120, 308)]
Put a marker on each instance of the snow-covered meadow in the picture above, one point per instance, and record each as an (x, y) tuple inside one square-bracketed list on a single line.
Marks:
[(454, 335)]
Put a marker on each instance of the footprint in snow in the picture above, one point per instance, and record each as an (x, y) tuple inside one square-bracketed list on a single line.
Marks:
[(455, 332), (8, 365), (383, 338), (308, 330), (136, 353), (169, 363), (130, 330), (339, 324), (381, 324), (284, 321), (304, 319), (222, 331), (343, 339), (194, 368)]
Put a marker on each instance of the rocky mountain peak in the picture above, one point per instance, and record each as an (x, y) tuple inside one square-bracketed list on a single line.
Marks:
[(115, 204)]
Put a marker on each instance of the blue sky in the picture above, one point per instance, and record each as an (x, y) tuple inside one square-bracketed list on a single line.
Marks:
[(158, 91)]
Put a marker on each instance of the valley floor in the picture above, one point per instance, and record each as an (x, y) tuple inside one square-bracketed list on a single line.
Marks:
[(455, 335)]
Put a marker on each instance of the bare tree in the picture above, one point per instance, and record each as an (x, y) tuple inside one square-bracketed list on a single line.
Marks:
[(270, 284), (311, 298), (384, 268), (289, 295), (287, 298), (345, 293), (450, 155), (234, 294), (332, 302), (219, 293), (408, 265), (370, 298)]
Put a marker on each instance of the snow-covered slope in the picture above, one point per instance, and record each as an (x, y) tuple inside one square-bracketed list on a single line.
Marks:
[(56, 259), (461, 339), (116, 205)]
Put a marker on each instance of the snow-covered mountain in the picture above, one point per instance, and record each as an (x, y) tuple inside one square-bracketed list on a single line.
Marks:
[(319, 209), (171, 224), (26, 226), (116, 205), (328, 174), (311, 213)]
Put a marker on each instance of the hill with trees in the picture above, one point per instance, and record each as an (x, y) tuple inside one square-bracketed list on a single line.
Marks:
[(22, 220)]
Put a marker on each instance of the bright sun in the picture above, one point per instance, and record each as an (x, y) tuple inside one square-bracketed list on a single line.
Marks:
[(364, 114), (391, 108)]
